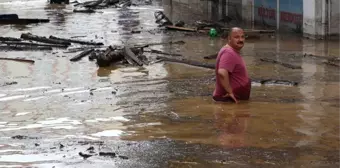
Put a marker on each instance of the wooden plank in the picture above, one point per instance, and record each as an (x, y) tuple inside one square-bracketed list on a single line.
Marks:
[(23, 48), (281, 63), (181, 28), (188, 62), (9, 39), (129, 55), (76, 41), (29, 36), (81, 55), (212, 56), (23, 21), (17, 59), (32, 44)]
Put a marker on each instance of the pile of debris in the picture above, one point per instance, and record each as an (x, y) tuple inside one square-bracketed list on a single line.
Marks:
[(132, 55), (203, 26), (91, 6)]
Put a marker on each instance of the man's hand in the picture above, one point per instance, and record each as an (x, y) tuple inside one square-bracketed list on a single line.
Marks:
[(231, 96)]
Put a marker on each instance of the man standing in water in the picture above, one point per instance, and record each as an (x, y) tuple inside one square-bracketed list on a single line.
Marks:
[(232, 81)]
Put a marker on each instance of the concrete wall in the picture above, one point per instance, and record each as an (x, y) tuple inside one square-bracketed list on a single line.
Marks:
[(334, 28)]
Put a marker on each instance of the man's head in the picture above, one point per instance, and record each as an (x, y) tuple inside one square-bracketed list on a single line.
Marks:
[(236, 38)]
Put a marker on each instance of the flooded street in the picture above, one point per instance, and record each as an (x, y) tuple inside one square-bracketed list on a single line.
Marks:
[(162, 114)]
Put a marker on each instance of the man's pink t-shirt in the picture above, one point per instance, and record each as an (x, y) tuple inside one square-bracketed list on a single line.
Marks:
[(231, 60)]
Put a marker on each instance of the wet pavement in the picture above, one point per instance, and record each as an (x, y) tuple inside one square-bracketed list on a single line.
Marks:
[(161, 115)]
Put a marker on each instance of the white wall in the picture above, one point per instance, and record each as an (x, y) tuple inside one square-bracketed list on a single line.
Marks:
[(309, 17), (248, 12)]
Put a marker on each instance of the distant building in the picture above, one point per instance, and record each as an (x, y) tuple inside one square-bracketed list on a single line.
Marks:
[(312, 18)]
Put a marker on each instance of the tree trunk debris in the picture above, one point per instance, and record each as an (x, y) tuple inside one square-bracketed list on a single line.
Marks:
[(81, 55), (76, 41), (188, 62), (17, 59), (23, 48), (29, 36), (281, 63), (15, 43)]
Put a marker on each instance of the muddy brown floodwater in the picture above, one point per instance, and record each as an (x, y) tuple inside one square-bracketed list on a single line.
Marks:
[(161, 115)]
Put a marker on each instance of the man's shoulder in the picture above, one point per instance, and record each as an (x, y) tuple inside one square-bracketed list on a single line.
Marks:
[(227, 51)]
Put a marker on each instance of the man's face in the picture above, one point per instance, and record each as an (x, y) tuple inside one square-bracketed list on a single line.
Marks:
[(236, 39)]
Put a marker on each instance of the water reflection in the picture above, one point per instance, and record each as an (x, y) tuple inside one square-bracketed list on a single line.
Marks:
[(56, 13), (232, 124)]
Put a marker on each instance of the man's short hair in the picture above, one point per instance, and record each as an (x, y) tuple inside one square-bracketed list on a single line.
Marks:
[(226, 34)]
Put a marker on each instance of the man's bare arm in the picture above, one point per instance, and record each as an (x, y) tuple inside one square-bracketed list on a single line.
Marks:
[(224, 76)]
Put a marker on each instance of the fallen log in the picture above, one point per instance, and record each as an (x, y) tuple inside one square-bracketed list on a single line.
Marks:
[(76, 41), (23, 48), (129, 55), (23, 21), (212, 56), (247, 30), (107, 3), (74, 50), (17, 59), (124, 3), (161, 43), (275, 81), (93, 4), (331, 63), (161, 52), (83, 11), (9, 16), (8, 83), (188, 62), (170, 27), (9, 39), (32, 44), (281, 63), (29, 36), (81, 55), (334, 59)]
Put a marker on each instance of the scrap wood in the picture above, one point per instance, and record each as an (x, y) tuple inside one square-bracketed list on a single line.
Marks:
[(17, 59), (332, 63), (188, 62), (212, 56), (76, 41), (9, 39), (169, 27), (32, 44), (82, 54), (129, 55), (281, 63), (29, 36), (164, 53), (23, 48)]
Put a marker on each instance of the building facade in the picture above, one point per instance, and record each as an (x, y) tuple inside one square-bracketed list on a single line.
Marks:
[(312, 18)]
